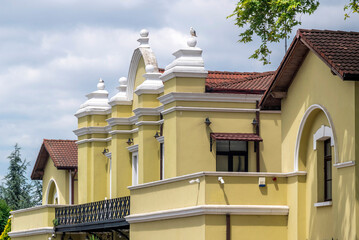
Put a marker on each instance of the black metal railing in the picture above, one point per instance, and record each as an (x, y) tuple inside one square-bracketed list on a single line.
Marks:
[(106, 210)]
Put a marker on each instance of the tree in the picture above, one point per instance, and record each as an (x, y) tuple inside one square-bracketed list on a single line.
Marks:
[(37, 192), (4, 235), (4, 214), (17, 190), (273, 20)]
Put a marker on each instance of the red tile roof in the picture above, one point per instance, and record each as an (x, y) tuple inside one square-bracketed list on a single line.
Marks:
[(62, 152), (338, 48), (237, 82), (236, 136)]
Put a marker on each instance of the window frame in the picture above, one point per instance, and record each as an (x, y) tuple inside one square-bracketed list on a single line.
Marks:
[(328, 158), (230, 155)]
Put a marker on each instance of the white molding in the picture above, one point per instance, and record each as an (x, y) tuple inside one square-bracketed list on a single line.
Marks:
[(31, 232), (133, 148), (323, 204), (147, 111), (89, 130), (217, 174), (108, 155), (271, 111), (52, 180), (301, 127), (258, 210), (322, 134), (94, 140), (161, 139), (208, 109), (344, 164), (37, 208), (140, 123), (93, 112), (140, 91), (120, 102), (177, 72), (209, 97), (123, 131)]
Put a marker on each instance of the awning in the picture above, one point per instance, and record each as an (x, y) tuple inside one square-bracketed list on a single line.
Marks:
[(236, 137)]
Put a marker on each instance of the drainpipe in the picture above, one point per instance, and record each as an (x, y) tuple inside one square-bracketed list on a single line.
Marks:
[(70, 187), (73, 186), (228, 227), (257, 143)]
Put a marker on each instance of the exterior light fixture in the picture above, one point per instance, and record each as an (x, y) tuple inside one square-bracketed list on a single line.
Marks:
[(105, 150), (207, 121), (70, 238), (129, 141), (255, 122), (156, 135)]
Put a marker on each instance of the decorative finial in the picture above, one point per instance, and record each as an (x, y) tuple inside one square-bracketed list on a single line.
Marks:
[(101, 84), (150, 68), (144, 33), (123, 81), (192, 32)]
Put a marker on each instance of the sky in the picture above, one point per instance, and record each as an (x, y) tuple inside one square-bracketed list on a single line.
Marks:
[(52, 54)]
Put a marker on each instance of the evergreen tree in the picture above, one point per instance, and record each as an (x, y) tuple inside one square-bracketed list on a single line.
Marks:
[(37, 192), (17, 190)]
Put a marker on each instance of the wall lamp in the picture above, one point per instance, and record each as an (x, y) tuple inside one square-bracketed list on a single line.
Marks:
[(220, 179), (255, 122), (129, 141), (207, 121), (105, 150), (156, 135)]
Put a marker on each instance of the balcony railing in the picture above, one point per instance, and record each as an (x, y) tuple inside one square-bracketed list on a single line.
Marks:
[(92, 213)]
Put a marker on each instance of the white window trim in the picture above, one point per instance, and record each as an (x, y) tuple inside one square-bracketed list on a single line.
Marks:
[(134, 166), (322, 134), (48, 190), (133, 148), (323, 204)]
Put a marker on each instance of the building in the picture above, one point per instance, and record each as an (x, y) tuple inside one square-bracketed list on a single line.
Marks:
[(187, 153)]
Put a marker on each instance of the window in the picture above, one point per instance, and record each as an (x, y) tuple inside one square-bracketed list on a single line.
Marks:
[(327, 170), (162, 162), (134, 168), (232, 156)]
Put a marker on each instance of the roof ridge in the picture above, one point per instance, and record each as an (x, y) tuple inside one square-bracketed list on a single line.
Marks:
[(328, 31)]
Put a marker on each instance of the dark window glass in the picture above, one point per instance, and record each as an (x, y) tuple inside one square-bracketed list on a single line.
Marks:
[(327, 170), (232, 156)]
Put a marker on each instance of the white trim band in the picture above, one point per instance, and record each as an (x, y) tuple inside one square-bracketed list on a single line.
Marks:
[(31, 232), (161, 139), (344, 164), (209, 97), (123, 131), (36, 208), (94, 140), (140, 123), (89, 130), (209, 209), (217, 174), (93, 112), (208, 109)]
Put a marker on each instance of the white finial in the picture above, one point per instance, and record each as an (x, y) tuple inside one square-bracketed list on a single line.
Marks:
[(123, 81), (101, 84), (144, 33), (191, 42), (192, 32), (150, 68)]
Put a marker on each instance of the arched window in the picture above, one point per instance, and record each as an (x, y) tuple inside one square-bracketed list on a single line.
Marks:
[(52, 196)]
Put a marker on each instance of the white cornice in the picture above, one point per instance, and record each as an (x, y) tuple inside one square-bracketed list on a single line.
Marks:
[(180, 72), (93, 112), (141, 91), (344, 164), (94, 140), (36, 208), (123, 131), (217, 174), (140, 123), (31, 232), (133, 148), (122, 121), (208, 109), (89, 130), (115, 102), (209, 209), (209, 97), (161, 139), (147, 111)]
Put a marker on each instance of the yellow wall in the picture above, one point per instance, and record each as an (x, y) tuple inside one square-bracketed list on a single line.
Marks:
[(61, 178)]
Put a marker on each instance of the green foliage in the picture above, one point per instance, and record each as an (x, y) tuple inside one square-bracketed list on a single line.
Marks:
[(273, 20), (92, 237), (37, 192), (16, 190), (4, 235), (4, 214), (55, 222), (353, 6)]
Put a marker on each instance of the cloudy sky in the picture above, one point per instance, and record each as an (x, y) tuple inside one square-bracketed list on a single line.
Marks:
[(52, 53)]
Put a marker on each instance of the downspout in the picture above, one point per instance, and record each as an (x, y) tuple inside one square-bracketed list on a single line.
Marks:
[(228, 227), (257, 143), (72, 188)]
